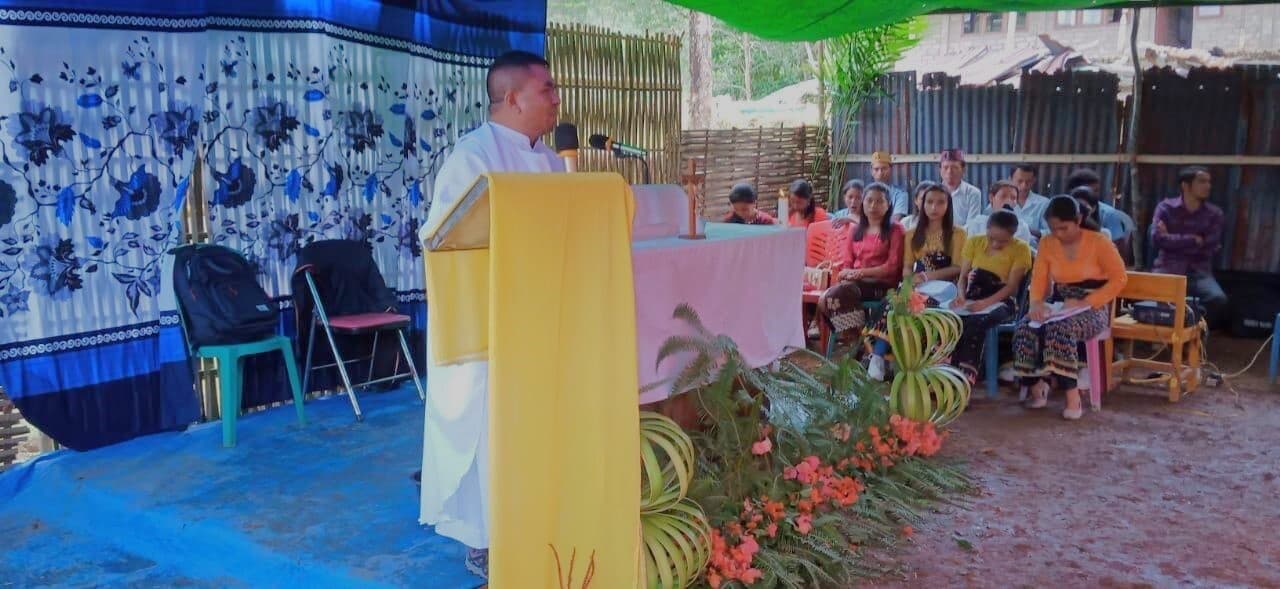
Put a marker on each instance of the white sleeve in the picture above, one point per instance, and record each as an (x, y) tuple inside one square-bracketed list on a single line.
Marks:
[(458, 173)]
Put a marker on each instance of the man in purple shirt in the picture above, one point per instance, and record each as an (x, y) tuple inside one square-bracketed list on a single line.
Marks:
[(1188, 232)]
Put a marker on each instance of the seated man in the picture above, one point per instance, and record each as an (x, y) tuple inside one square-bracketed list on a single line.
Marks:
[(882, 172), (1004, 197), (1118, 223), (1188, 232), (1030, 206), (742, 197)]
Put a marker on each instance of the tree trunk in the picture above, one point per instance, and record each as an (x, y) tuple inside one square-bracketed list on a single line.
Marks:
[(699, 70), (746, 66)]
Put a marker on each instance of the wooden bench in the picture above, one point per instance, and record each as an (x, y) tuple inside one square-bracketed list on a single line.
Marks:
[(1183, 340)]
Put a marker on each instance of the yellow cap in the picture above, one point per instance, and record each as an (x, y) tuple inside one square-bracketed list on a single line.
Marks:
[(881, 157)]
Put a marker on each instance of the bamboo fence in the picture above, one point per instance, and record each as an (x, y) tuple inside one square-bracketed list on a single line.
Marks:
[(626, 87), (13, 431), (767, 158)]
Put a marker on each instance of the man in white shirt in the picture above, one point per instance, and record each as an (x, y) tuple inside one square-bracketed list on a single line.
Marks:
[(1030, 206), (966, 199), (523, 105), (1004, 196)]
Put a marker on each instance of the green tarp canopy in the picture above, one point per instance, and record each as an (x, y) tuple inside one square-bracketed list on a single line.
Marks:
[(813, 20)]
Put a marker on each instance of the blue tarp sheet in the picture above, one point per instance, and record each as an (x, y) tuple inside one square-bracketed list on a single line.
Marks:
[(326, 505)]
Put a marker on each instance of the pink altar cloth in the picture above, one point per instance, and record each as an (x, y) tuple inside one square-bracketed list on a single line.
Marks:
[(742, 282)]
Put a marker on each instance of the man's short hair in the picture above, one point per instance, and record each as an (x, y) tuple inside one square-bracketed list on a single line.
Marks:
[(1082, 177), (1188, 174), (742, 192), (509, 61), (1025, 167)]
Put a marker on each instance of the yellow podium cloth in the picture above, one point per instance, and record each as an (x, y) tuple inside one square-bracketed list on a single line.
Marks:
[(559, 304)]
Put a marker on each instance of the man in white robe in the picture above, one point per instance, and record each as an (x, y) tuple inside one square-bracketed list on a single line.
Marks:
[(523, 105)]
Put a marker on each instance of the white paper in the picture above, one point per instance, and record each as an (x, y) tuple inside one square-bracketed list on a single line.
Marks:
[(1057, 313), (963, 312)]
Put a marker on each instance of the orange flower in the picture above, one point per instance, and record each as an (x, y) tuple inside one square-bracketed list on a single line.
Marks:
[(750, 576), (772, 530), (762, 447), (917, 303), (908, 531), (714, 580), (773, 509)]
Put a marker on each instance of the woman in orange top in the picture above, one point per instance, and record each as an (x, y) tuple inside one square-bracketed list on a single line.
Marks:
[(1086, 273), (804, 208)]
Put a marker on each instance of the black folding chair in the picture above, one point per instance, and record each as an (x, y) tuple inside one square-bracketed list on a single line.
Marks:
[(338, 289)]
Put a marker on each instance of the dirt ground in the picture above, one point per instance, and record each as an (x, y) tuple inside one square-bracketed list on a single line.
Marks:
[(1142, 494)]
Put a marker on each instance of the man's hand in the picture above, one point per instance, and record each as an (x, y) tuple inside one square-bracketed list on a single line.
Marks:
[(959, 302), (840, 222), (920, 277), (1161, 229)]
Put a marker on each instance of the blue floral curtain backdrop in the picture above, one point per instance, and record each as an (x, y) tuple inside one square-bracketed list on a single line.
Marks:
[(319, 121)]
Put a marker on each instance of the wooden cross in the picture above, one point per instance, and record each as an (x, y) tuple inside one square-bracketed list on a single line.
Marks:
[(692, 186)]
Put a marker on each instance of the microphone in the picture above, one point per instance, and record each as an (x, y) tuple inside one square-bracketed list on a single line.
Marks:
[(619, 149), (566, 141)]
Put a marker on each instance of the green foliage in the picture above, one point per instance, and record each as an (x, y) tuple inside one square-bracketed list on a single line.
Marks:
[(774, 65), (853, 67), (631, 17), (798, 410)]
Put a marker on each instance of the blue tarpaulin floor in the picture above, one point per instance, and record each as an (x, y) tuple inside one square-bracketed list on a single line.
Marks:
[(326, 505)]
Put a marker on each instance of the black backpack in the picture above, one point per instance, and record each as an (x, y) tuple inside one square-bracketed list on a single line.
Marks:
[(220, 298)]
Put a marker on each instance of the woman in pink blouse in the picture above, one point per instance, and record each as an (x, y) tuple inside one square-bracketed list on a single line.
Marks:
[(874, 263)]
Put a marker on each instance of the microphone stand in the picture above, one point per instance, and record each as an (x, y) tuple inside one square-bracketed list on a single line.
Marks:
[(644, 165)]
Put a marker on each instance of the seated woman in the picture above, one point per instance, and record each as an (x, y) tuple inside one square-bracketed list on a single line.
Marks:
[(851, 195), (932, 249), (742, 197), (873, 265), (934, 245), (804, 208), (909, 221), (1086, 273), (992, 267)]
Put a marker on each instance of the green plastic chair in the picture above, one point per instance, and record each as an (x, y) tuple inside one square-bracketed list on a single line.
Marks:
[(231, 377), (230, 359)]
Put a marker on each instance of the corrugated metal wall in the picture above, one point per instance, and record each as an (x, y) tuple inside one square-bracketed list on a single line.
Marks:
[(1216, 112), (1208, 112)]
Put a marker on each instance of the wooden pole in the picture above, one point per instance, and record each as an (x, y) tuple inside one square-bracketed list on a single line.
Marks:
[(1137, 206)]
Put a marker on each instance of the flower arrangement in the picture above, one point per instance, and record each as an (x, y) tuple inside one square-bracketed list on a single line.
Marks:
[(806, 476), (925, 387)]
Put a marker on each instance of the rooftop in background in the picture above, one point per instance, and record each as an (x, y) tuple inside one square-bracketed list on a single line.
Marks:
[(985, 48)]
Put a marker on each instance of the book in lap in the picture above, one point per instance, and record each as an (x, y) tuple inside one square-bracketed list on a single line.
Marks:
[(963, 312), (1058, 313)]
